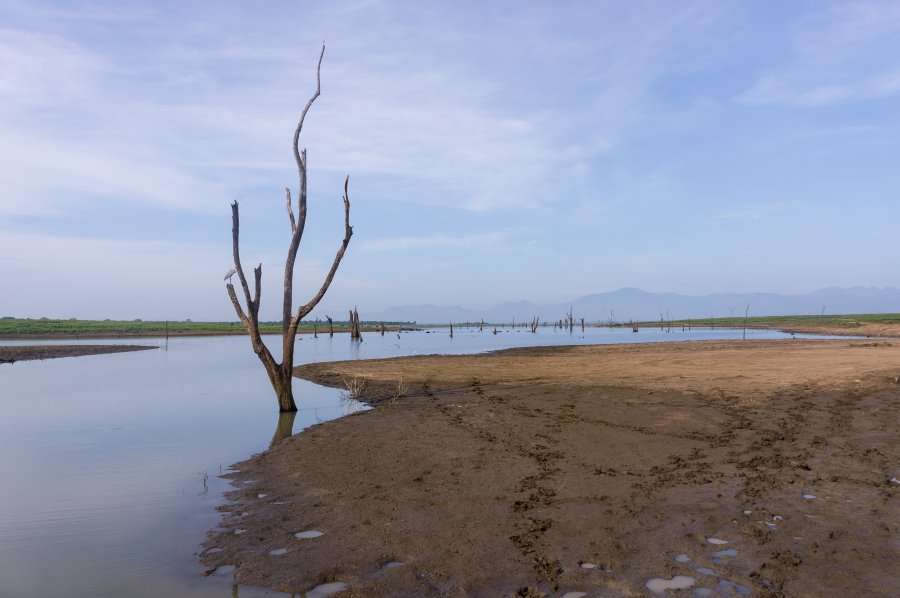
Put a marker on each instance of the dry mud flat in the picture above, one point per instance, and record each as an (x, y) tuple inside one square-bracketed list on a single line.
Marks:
[(11, 354), (721, 468)]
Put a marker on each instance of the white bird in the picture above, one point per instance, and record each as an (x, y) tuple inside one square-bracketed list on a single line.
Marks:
[(231, 273)]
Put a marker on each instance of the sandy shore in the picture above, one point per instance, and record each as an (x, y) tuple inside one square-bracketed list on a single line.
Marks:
[(11, 354), (759, 466)]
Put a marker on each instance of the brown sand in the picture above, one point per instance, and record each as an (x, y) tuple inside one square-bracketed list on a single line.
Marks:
[(508, 473), (11, 354)]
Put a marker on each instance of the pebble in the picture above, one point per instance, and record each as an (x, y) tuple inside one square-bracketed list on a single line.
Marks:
[(679, 582), (326, 589)]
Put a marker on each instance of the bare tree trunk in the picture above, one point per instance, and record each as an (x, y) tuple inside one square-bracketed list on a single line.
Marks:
[(281, 374), (330, 326), (355, 332), (451, 329)]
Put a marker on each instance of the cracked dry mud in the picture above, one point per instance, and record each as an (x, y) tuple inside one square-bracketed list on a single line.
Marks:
[(501, 474)]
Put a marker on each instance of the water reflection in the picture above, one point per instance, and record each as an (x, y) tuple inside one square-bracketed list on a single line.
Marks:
[(285, 427)]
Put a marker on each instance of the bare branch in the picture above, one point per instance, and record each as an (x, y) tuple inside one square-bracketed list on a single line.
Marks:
[(301, 201), (257, 274), (348, 232), (290, 211), (236, 303), (301, 166), (235, 235)]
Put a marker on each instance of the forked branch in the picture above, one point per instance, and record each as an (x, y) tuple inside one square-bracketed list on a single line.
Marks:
[(348, 232)]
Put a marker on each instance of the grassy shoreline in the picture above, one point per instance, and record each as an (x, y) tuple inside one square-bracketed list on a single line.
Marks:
[(17, 328), (845, 321)]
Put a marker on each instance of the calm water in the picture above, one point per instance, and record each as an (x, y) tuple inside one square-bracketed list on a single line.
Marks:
[(109, 463)]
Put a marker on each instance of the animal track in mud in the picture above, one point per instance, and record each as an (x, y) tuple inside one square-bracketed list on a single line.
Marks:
[(539, 493)]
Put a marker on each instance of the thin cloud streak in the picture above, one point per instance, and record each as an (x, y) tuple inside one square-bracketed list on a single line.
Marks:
[(845, 53), (436, 242)]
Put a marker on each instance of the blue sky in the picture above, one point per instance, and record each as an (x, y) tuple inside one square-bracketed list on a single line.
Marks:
[(496, 151)]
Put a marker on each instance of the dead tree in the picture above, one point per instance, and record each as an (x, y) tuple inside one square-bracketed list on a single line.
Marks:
[(451, 329), (355, 332), (382, 329), (281, 374), (330, 326)]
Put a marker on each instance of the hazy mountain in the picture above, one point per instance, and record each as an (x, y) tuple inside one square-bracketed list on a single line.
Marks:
[(635, 304)]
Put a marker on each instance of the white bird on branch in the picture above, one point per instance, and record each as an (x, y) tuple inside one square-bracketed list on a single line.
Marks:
[(231, 273)]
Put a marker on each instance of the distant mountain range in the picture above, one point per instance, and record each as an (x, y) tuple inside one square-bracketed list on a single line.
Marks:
[(634, 304)]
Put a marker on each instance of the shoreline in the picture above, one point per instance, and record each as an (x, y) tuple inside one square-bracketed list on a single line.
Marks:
[(542, 470), (240, 332), (14, 353), (866, 330)]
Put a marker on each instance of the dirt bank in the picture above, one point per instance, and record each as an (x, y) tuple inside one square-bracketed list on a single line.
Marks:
[(11, 354), (869, 329), (760, 467)]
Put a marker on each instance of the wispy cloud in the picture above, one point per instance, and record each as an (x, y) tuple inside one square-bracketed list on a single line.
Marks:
[(397, 103), (844, 53), (436, 242), (750, 212)]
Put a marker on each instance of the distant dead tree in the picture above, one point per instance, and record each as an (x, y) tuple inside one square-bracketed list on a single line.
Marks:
[(330, 325), (355, 332), (281, 374)]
